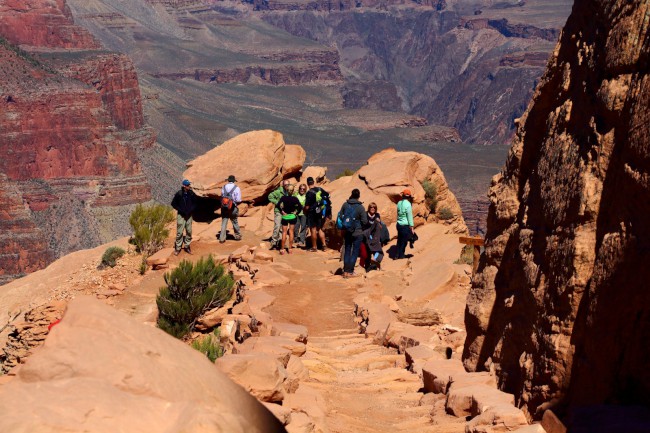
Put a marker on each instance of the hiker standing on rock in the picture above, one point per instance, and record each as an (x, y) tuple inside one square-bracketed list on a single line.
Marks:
[(404, 223), (301, 221), (353, 218), (374, 240), (274, 198), (184, 202), (289, 207), (230, 199), (318, 209)]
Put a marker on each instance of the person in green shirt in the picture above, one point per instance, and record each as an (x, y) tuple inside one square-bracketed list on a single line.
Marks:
[(301, 223), (404, 222), (274, 198)]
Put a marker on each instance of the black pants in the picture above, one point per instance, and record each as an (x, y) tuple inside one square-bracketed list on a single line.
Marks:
[(403, 235)]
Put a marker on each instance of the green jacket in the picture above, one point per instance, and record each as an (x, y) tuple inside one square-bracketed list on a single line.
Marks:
[(404, 213), (275, 197), (301, 199)]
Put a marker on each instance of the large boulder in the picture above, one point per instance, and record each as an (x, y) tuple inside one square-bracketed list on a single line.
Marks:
[(101, 371), (258, 159)]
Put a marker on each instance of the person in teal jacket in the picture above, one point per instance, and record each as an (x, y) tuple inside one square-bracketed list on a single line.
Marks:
[(274, 198), (404, 223)]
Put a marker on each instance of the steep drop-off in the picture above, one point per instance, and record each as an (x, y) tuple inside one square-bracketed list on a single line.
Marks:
[(71, 126), (560, 307)]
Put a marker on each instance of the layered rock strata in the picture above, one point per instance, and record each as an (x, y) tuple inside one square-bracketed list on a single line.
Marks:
[(71, 123), (560, 305)]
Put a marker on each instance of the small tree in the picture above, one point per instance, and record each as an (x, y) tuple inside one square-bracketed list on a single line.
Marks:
[(110, 256), (149, 227), (191, 290), (430, 195)]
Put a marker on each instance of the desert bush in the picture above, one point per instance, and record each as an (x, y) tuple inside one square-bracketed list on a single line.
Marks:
[(445, 214), (191, 290), (143, 266), (466, 256), (430, 195), (110, 256), (209, 345), (149, 227)]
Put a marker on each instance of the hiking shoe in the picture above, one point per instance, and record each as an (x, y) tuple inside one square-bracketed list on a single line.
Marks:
[(313, 250), (222, 241), (238, 237), (177, 252), (188, 249)]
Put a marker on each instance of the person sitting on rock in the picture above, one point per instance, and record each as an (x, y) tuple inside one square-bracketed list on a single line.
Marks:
[(318, 210), (301, 222), (404, 223), (184, 202), (373, 240), (230, 200), (289, 207), (274, 198), (354, 218)]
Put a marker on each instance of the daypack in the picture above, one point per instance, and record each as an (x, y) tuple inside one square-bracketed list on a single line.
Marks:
[(347, 218), (322, 201), (227, 202)]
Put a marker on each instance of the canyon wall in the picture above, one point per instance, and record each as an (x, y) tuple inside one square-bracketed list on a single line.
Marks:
[(71, 125), (560, 307)]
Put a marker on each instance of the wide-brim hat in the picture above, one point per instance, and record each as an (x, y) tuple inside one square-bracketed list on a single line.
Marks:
[(231, 178)]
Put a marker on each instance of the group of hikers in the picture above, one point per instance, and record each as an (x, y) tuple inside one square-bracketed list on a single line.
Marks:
[(303, 210)]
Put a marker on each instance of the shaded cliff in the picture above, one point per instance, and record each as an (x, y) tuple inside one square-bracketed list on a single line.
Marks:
[(560, 306), (71, 125)]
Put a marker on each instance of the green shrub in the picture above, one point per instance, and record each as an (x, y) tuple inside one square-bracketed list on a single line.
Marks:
[(466, 256), (346, 172), (209, 345), (430, 195), (110, 256), (149, 227), (143, 266), (445, 214), (191, 290)]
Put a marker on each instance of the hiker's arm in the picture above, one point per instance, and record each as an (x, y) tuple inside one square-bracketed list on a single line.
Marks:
[(274, 197), (409, 215), (175, 202)]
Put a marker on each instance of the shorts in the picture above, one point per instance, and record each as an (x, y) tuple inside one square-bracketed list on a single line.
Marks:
[(289, 222), (315, 220)]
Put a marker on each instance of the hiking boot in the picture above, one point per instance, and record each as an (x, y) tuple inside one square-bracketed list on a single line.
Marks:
[(222, 241), (188, 249), (238, 237), (177, 252)]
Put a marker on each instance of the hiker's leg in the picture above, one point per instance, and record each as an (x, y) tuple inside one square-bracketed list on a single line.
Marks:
[(363, 255), (347, 257), (321, 235), (300, 228), (224, 228), (235, 226), (314, 236), (188, 232), (180, 225), (356, 245), (277, 227), (290, 231), (403, 233), (285, 229)]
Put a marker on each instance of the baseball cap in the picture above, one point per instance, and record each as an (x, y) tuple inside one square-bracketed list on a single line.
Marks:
[(310, 180), (186, 182), (406, 192)]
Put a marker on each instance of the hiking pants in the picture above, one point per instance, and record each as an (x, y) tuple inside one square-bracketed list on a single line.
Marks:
[(352, 245), (183, 224), (277, 228), (301, 229), (403, 235), (235, 224)]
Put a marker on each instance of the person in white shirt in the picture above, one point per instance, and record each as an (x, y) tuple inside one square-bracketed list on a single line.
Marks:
[(230, 199)]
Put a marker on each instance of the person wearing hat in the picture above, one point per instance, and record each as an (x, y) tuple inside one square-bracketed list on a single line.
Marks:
[(184, 202), (274, 197), (404, 223), (230, 199)]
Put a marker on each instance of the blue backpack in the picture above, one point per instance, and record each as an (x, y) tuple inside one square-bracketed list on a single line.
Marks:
[(347, 218)]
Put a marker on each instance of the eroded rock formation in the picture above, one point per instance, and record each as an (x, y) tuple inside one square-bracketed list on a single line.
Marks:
[(560, 308), (71, 125)]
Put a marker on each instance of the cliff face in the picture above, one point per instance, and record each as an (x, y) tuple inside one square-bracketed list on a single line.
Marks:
[(71, 124), (560, 306)]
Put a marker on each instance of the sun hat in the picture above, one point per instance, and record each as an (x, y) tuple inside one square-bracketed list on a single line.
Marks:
[(231, 178)]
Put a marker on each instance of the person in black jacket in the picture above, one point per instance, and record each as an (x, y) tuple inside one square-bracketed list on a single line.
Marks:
[(353, 209), (184, 202)]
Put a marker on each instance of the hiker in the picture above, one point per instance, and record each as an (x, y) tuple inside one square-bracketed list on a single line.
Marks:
[(374, 239), (230, 199), (301, 221), (184, 202), (404, 223), (318, 209), (289, 207), (274, 198), (353, 218)]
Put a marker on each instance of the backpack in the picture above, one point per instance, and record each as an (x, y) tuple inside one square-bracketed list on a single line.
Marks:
[(347, 218), (322, 199), (227, 202)]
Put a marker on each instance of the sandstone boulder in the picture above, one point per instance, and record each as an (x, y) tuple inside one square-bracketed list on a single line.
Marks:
[(107, 373), (280, 412), (260, 374), (296, 332), (160, 258), (256, 159), (318, 173), (475, 399), (439, 373), (294, 158), (498, 419)]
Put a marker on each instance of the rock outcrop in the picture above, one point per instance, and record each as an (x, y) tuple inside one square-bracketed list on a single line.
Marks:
[(153, 383), (258, 159), (71, 126), (560, 305)]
